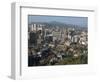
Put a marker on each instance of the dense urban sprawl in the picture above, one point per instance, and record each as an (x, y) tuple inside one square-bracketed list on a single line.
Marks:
[(56, 45)]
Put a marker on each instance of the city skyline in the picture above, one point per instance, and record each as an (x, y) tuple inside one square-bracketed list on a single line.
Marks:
[(56, 41), (81, 21)]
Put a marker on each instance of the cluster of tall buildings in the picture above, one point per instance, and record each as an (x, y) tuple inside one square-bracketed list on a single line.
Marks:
[(39, 34)]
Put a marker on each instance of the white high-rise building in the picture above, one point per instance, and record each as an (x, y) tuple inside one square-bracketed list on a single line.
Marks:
[(33, 27), (36, 27)]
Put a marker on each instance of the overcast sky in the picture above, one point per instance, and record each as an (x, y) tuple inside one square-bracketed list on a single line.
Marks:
[(82, 21)]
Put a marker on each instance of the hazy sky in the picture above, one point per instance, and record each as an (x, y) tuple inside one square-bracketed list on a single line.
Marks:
[(82, 21)]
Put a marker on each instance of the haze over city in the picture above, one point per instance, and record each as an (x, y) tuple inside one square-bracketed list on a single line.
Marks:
[(81, 21)]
